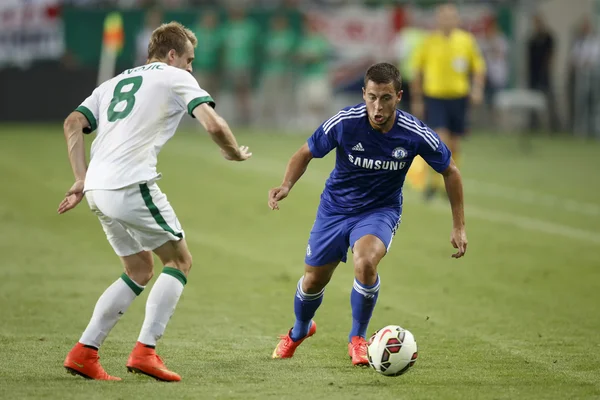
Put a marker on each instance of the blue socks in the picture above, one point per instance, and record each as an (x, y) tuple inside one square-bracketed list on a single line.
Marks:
[(362, 300), (305, 307)]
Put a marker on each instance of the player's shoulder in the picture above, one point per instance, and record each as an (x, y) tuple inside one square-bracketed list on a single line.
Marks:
[(410, 126), (108, 85), (346, 117)]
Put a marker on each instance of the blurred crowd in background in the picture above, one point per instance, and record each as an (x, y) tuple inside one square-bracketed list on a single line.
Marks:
[(286, 65)]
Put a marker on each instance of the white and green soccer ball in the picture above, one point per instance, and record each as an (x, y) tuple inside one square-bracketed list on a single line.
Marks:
[(392, 350)]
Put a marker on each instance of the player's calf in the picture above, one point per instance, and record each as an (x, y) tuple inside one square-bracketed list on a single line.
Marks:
[(368, 252), (160, 306), (308, 298), (363, 299)]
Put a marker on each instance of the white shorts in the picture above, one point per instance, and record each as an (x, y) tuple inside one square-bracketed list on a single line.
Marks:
[(135, 218)]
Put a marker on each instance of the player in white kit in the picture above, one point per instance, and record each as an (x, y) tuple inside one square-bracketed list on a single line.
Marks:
[(134, 115)]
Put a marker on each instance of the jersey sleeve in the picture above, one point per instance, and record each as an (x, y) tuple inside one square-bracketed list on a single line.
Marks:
[(433, 150), (324, 140), (477, 61), (417, 61), (90, 108), (188, 93)]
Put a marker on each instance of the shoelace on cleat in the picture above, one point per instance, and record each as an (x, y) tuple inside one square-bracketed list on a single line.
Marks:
[(359, 349), (287, 341)]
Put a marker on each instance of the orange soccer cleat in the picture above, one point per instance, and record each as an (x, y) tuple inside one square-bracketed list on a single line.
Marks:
[(84, 361), (286, 346), (357, 350), (144, 360)]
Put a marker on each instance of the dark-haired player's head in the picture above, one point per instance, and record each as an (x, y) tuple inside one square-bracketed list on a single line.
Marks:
[(382, 92)]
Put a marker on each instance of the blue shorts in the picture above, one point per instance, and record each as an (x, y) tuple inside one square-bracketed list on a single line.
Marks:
[(332, 234), (447, 113)]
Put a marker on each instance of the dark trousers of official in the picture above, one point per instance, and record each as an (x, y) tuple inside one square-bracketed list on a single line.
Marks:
[(545, 88)]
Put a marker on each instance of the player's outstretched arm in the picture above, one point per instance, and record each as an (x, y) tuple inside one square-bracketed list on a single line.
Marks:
[(219, 131), (73, 129), (454, 188), (294, 170)]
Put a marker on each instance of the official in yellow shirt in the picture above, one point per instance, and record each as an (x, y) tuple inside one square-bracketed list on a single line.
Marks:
[(444, 65)]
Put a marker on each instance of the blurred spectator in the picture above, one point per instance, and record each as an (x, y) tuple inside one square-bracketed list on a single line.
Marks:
[(208, 51), (314, 90), (407, 40), (276, 92), (540, 55), (494, 48), (153, 19), (240, 39), (585, 61)]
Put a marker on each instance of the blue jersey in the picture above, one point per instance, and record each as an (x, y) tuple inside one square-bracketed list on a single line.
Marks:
[(370, 165)]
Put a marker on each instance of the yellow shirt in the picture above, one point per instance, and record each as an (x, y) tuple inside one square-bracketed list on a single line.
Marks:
[(447, 62)]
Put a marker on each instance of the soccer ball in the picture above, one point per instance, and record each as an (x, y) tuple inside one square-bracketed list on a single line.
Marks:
[(392, 350)]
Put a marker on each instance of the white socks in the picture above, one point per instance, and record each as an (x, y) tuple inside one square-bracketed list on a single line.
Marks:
[(161, 304), (118, 297), (110, 307)]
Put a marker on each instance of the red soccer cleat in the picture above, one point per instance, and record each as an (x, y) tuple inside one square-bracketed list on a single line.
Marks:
[(84, 361), (357, 350), (286, 346), (144, 360)]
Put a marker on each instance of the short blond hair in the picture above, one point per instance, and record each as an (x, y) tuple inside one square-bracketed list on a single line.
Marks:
[(170, 36)]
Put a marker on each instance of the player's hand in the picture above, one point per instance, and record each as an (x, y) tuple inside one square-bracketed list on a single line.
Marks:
[(459, 241), (277, 194), (72, 198), (477, 96), (243, 154)]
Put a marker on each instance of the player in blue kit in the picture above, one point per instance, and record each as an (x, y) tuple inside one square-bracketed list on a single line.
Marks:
[(361, 205)]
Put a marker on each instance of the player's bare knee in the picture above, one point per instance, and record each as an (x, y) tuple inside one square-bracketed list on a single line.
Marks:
[(141, 276), (139, 267), (314, 281), (365, 268), (147, 276), (186, 264), (182, 262)]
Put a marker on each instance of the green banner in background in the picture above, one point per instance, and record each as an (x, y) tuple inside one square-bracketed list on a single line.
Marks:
[(84, 27), (83, 30), (83, 34)]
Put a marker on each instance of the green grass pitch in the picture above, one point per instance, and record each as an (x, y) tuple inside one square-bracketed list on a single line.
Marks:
[(516, 318)]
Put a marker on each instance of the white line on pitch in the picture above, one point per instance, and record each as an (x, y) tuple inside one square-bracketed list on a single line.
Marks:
[(317, 177), (530, 197)]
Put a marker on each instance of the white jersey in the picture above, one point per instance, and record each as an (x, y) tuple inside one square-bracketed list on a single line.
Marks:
[(135, 114)]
